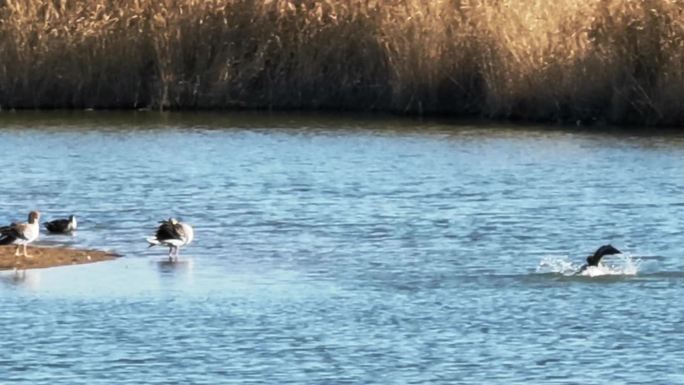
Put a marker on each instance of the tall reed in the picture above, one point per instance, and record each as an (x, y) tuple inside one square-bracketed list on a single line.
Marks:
[(566, 60)]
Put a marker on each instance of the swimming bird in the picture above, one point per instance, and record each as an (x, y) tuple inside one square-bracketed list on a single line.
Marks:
[(173, 234), (21, 234), (62, 226), (593, 260)]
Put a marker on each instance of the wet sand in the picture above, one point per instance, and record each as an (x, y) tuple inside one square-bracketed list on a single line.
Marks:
[(50, 256)]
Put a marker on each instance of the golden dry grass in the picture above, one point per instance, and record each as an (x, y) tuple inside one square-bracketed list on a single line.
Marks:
[(566, 60)]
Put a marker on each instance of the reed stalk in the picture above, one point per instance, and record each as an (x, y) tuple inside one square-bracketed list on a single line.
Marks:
[(611, 61)]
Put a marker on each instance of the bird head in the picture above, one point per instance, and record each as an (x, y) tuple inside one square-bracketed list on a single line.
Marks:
[(34, 216)]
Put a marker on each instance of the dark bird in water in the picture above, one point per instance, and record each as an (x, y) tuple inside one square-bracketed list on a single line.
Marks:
[(593, 260), (21, 234), (173, 234), (62, 226)]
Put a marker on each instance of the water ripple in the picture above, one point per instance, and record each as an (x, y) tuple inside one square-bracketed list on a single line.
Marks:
[(351, 252)]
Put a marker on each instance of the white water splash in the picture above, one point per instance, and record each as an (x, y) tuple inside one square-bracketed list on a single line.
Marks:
[(557, 264), (620, 264)]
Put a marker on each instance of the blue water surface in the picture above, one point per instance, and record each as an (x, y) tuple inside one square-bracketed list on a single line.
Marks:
[(343, 250)]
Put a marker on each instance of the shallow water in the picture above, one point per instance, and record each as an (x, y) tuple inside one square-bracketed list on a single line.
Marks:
[(344, 250)]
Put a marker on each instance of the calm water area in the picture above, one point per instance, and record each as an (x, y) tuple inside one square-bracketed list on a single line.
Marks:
[(344, 250)]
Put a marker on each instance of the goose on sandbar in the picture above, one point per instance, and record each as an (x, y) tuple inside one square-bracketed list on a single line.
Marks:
[(173, 234), (62, 226), (593, 260), (21, 234)]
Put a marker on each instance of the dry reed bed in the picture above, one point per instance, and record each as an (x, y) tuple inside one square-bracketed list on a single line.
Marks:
[(608, 60)]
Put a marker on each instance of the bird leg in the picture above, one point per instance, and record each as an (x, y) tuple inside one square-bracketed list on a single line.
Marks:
[(17, 260), (26, 254)]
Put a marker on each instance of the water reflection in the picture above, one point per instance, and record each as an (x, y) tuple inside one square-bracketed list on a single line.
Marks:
[(175, 268), (175, 265), (29, 280)]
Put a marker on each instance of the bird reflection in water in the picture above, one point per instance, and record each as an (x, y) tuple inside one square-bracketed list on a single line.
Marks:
[(175, 274), (22, 278), (168, 267)]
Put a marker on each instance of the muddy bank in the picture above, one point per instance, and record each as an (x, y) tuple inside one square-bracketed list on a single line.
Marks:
[(42, 257)]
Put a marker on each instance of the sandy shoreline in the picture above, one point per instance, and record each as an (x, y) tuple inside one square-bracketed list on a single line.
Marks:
[(50, 257)]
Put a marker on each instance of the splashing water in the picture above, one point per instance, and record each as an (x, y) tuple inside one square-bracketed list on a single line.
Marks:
[(557, 264), (621, 264)]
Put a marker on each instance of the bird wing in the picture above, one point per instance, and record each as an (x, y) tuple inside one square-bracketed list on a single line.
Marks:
[(57, 225), (167, 231), (20, 230), (11, 233), (180, 231)]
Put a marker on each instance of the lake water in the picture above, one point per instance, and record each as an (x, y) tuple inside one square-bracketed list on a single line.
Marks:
[(344, 251)]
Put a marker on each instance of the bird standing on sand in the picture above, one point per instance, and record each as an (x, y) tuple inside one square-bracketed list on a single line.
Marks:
[(593, 260), (173, 234), (21, 234), (62, 226)]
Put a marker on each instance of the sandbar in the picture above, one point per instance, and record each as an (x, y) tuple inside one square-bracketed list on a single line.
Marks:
[(43, 257)]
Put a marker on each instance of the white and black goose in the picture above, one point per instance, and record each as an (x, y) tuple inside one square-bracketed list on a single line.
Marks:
[(173, 234), (21, 234), (62, 226)]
